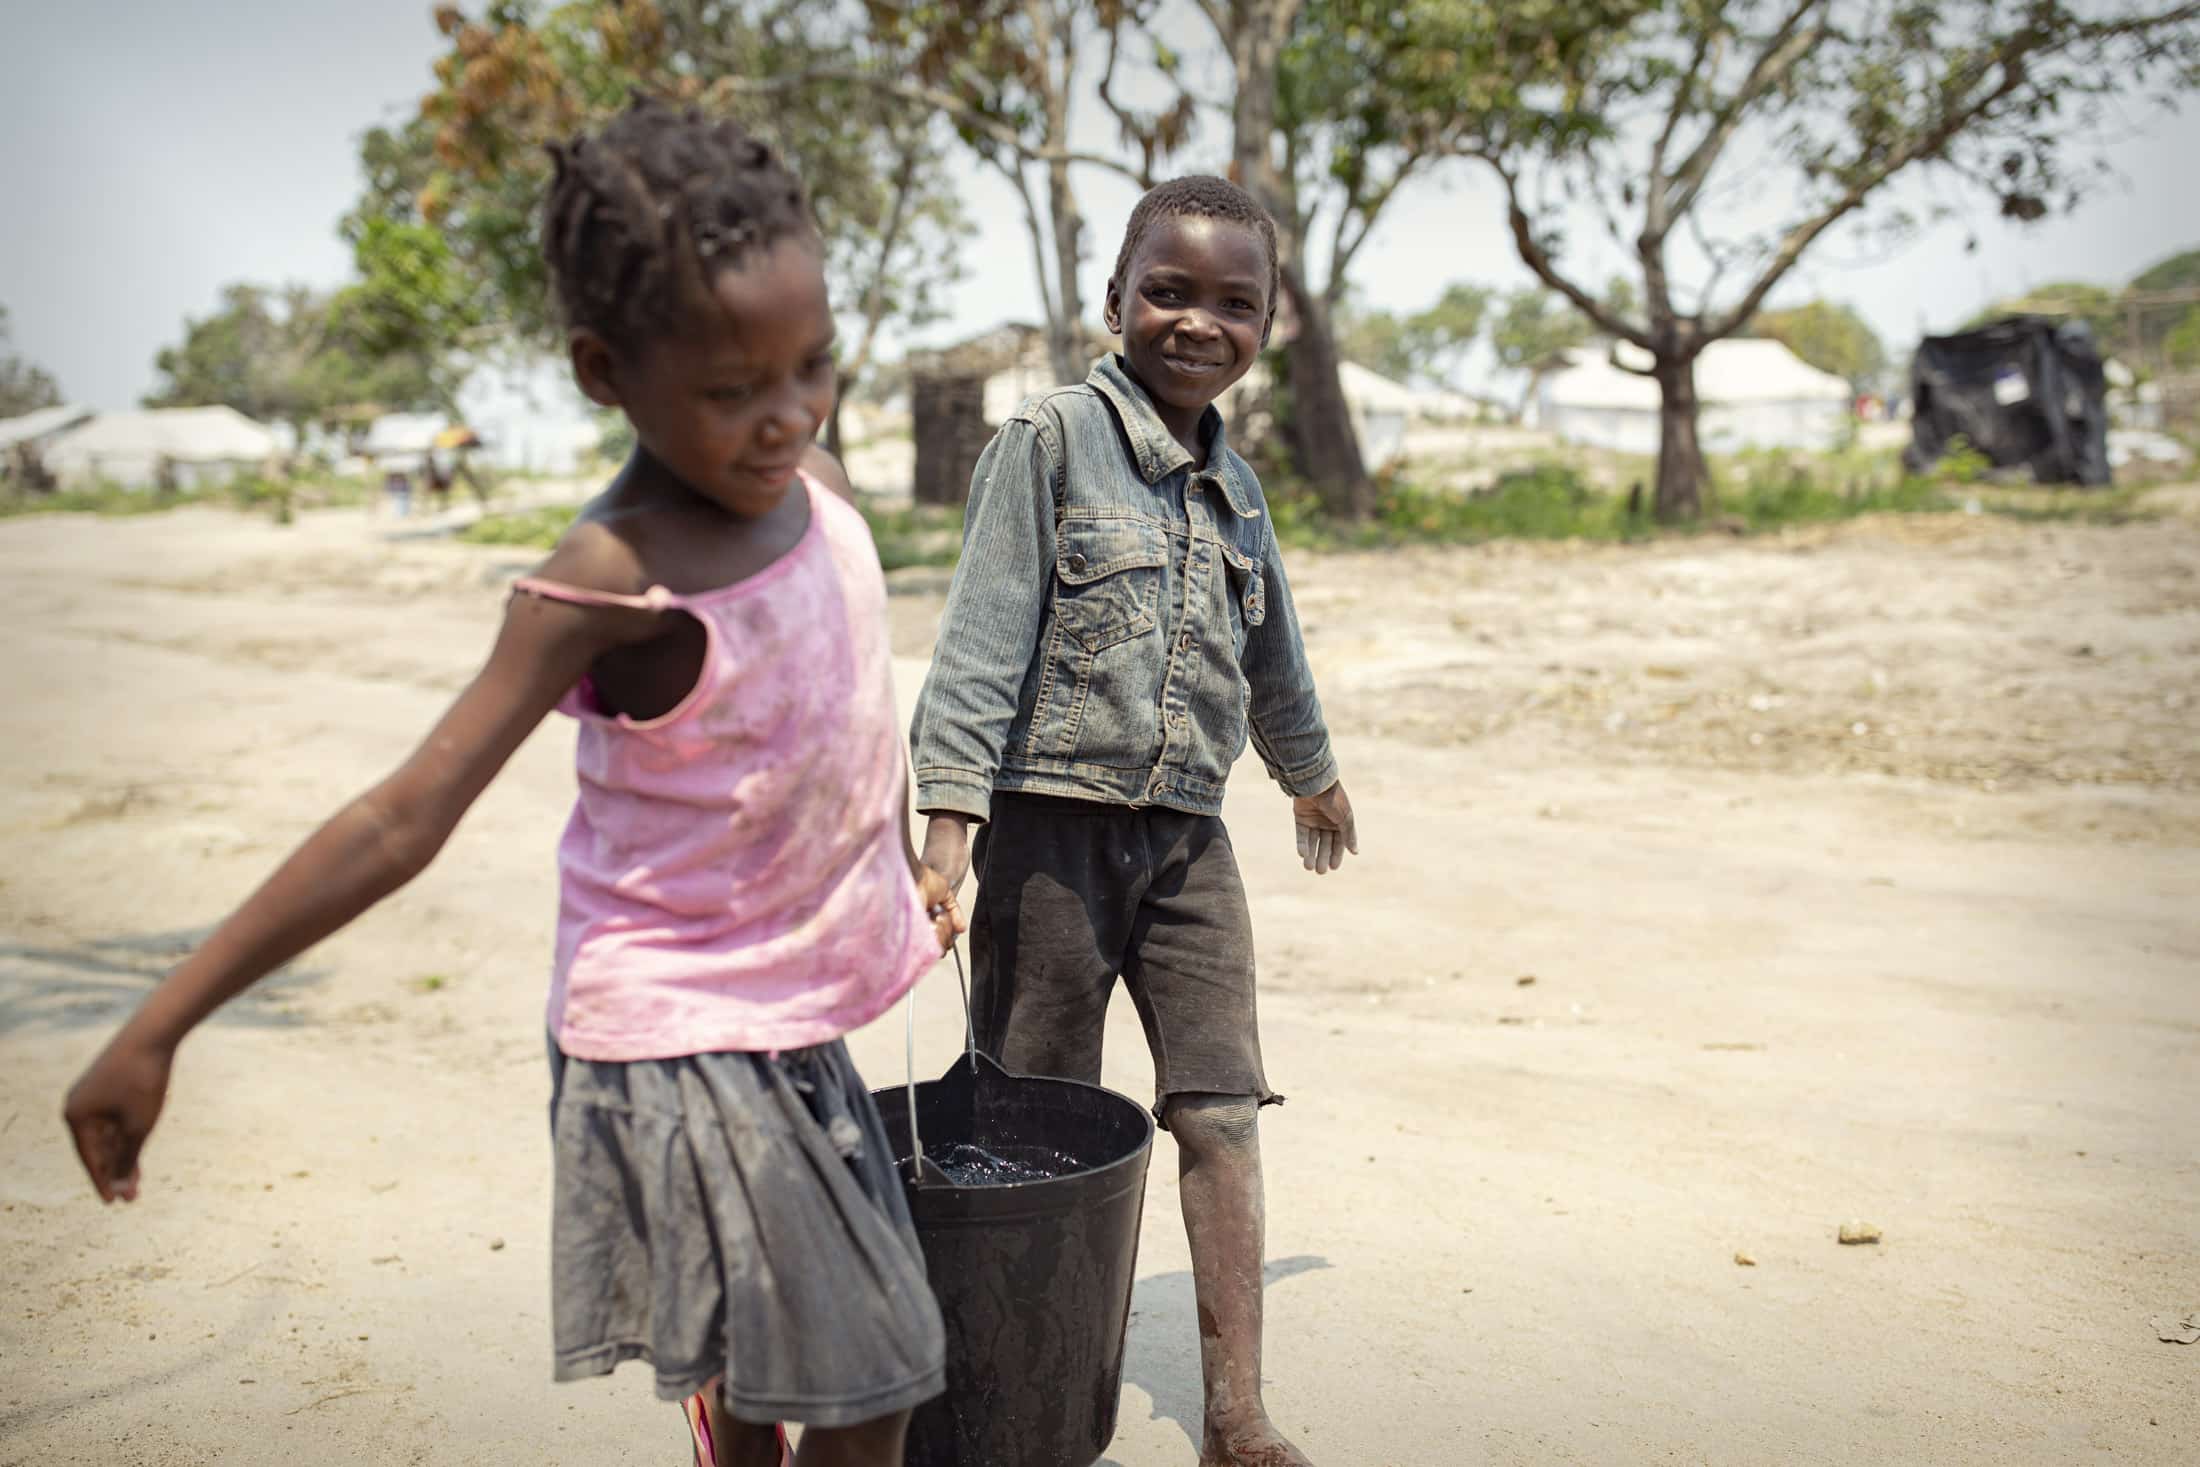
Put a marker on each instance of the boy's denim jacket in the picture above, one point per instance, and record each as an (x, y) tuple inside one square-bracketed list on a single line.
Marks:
[(1119, 620)]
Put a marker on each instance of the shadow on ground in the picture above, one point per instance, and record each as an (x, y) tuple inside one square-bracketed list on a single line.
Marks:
[(1163, 1356), (75, 985)]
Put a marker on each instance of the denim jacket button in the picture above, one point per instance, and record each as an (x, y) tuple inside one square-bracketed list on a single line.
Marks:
[(1077, 564)]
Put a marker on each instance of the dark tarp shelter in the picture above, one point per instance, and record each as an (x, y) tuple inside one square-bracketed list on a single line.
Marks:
[(2024, 390)]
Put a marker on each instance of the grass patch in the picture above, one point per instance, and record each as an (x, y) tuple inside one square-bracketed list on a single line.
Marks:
[(106, 499), (533, 529), (1756, 493), (919, 535), (1546, 502)]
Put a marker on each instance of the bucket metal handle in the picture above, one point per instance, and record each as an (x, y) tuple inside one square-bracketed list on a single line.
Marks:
[(917, 1162)]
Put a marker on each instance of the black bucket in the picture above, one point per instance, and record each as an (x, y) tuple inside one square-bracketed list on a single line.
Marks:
[(1034, 1277)]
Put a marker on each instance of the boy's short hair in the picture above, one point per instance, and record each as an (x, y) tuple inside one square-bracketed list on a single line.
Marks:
[(1208, 197), (642, 215)]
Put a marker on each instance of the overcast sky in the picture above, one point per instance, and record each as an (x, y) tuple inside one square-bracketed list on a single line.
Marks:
[(157, 151)]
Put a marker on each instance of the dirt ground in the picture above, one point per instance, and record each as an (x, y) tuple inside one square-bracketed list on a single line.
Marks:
[(1715, 893)]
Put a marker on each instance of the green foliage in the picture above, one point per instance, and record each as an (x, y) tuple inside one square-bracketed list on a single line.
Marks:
[(2096, 305), (286, 357), (458, 190), (1830, 336), (101, 499), (2181, 344), (921, 535), (1426, 346), (1534, 333), (1830, 103), (1961, 463), (2180, 271), (25, 387)]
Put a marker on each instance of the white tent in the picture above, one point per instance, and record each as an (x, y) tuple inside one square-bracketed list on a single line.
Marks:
[(31, 427), (1754, 394), (201, 445)]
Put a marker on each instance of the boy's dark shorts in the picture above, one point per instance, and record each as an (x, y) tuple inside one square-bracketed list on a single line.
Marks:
[(1074, 893)]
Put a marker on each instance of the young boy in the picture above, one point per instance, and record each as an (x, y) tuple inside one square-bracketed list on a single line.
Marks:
[(1118, 623)]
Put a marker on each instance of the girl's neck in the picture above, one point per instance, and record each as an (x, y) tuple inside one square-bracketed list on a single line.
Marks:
[(646, 480)]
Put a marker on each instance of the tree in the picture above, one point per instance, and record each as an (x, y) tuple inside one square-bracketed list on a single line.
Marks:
[(1830, 336), (277, 356), (1796, 112), (1535, 333), (2180, 271), (2181, 344), (2096, 305), (1342, 104), (1272, 112), (1006, 75), (1373, 337), (472, 167), (1426, 346), (25, 387), (1439, 338)]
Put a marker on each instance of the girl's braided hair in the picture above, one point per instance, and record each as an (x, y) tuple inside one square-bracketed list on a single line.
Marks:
[(643, 215)]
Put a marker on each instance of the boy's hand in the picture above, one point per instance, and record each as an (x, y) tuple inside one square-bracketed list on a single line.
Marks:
[(947, 849), (939, 905), (1326, 830), (111, 1110)]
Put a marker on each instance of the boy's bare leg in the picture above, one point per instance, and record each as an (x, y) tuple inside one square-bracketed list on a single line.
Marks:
[(1218, 1172), (867, 1444), (741, 1443)]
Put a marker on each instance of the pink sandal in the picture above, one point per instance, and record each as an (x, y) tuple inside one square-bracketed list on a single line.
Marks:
[(697, 1410)]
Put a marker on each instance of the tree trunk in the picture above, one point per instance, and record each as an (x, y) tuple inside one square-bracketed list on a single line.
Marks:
[(1320, 421), (1319, 425), (1683, 485), (1065, 325)]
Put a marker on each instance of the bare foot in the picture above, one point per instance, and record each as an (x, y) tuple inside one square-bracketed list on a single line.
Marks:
[(1258, 1444)]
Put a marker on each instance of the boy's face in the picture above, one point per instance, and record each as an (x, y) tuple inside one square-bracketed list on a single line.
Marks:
[(1193, 309), (730, 403)]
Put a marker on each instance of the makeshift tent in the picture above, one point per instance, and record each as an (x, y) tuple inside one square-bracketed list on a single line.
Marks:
[(2023, 390), (1751, 394), (44, 423), (189, 446)]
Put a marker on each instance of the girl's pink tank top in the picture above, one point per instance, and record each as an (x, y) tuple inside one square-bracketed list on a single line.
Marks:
[(734, 874)]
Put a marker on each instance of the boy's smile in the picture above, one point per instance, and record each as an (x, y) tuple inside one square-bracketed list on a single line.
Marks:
[(1193, 309)]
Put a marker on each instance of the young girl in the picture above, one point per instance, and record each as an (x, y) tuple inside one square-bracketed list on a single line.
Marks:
[(1119, 624), (737, 887)]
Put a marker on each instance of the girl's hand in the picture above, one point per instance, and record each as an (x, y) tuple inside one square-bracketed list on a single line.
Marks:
[(111, 1110), (947, 849), (939, 904), (1326, 830)]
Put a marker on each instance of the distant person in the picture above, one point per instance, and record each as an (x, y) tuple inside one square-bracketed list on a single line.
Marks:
[(397, 487), (1118, 624), (738, 887), (439, 482)]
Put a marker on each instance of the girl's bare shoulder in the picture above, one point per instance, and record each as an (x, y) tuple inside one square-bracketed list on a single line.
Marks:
[(828, 471)]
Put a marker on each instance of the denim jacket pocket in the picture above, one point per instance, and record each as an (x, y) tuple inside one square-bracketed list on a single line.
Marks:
[(1248, 590), (1109, 579)]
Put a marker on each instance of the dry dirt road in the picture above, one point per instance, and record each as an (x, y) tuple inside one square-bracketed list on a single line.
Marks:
[(1714, 894)]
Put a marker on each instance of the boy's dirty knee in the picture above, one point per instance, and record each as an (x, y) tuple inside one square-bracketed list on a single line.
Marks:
[(1214, 1121)]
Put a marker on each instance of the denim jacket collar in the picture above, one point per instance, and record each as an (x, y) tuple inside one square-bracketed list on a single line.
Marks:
[(1153, 446)]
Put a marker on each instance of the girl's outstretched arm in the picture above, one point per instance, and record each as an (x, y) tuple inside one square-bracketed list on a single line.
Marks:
[(367, 850)]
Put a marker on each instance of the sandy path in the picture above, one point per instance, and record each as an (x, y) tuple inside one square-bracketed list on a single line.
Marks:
[(1778, 984)]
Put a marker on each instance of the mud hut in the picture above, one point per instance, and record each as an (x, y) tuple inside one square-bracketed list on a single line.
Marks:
[(958, 396)]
